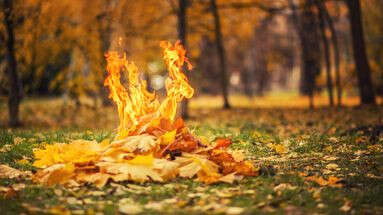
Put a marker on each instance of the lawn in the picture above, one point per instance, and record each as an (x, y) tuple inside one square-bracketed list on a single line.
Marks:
[(326, 160)]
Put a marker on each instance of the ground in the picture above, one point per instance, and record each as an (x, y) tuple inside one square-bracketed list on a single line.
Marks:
[(326, 160)]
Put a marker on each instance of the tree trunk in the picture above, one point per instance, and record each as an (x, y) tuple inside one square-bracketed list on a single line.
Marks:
[(334, 41), (246, 80), (221, 53), (182, 23), (15, 92), (307, 30), (326, 50), (367, 94)]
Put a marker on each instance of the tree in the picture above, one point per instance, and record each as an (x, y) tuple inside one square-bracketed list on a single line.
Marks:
[(326, 49), (262, 46), (366, 90), (372, 20), (221, 53), (307, 30), (334, 41), (15, 91)]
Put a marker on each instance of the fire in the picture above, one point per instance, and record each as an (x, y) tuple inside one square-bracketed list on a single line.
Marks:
[(138, 108)]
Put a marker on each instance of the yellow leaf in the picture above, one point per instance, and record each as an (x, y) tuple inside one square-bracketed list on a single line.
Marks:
[(280, 149), (332, 166), (55, 174), (23, 161), (78, 151), (168, 137), (143, 160)]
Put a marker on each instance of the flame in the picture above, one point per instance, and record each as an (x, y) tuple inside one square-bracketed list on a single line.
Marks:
[(137, 107)]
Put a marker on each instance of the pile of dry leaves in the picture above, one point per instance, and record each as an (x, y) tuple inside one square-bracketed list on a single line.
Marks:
[(167, 150)]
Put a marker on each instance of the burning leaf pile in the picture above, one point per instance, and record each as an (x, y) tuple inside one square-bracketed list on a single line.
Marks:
[(151, 145)]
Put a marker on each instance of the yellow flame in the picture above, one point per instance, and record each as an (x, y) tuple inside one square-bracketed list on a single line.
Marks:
[(136, 106)]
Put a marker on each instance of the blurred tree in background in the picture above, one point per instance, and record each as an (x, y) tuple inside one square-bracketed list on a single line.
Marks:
[(251, 47)]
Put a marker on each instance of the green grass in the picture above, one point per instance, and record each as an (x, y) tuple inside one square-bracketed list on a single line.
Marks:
[(310, 137)]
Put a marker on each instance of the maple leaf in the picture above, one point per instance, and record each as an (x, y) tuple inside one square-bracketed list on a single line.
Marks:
[(193, 164), (140, 143), (55, 174), (167, 169), (190, 170), (125, 172), (78, 151)]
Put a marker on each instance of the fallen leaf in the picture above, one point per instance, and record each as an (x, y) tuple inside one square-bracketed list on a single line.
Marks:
[(9, 172), (168, 137), (140, 143), (332, 166), (190, 170), (222, 143), (144, 160), (229, 178), (284, 186), (234, 210), (281, 149), (346, 206), (125, 172), (154, 206), (18, 140), (129, 208)]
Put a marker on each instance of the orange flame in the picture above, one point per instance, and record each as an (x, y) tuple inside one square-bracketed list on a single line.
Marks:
[(138, 108)]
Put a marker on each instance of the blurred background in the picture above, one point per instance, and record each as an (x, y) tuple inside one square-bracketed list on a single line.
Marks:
[(245, 53)]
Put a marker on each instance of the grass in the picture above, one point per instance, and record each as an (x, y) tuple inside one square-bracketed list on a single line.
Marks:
[(312, 139)]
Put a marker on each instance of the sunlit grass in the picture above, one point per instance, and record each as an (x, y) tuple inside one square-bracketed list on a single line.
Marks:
[(275, 100)]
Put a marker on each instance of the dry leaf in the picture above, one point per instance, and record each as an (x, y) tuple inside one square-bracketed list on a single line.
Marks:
[(332, 166), (234, 210), (332, 181), (230, 178), (222, 143), (9, 172), (144, 160), (125, 172), (190, 170), (78, 151), (55, 174), (168, 137), (346, 207), (140, 143), (18, 140), (127, 206), (280, 149)]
